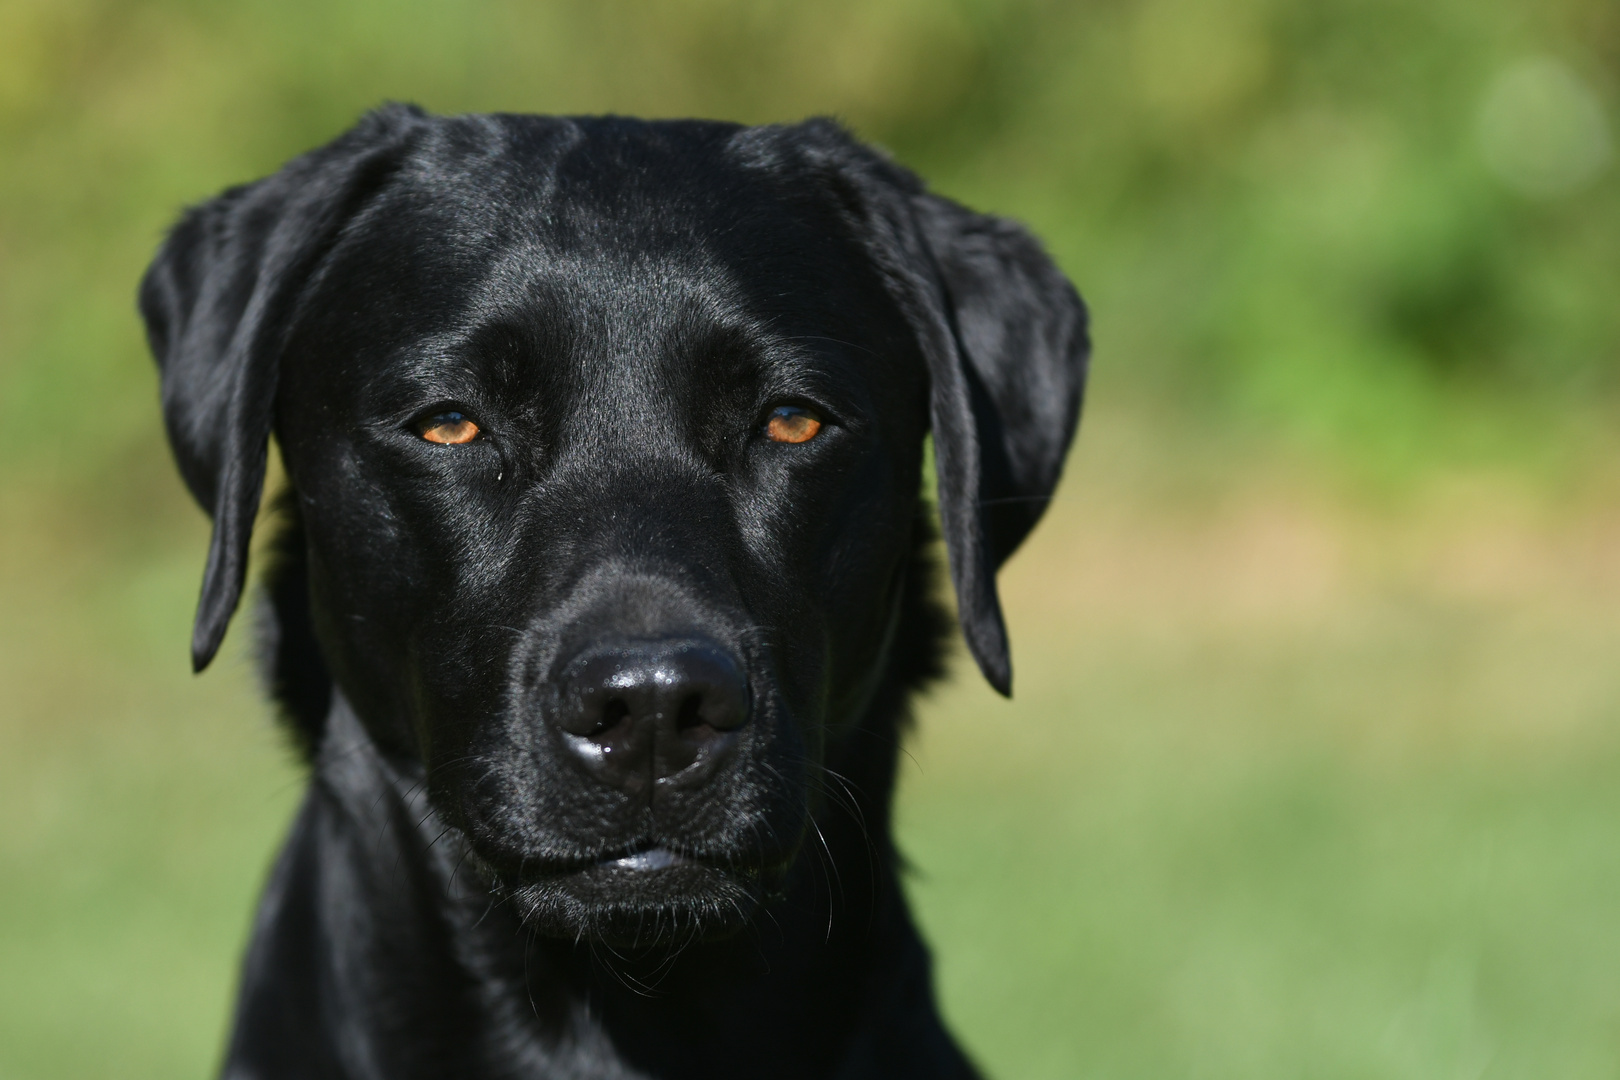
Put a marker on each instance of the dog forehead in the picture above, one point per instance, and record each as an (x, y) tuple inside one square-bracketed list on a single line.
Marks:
[(616, 240), (601, 191)]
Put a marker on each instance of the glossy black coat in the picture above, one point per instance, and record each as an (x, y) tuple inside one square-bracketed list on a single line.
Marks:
[(469, 891)]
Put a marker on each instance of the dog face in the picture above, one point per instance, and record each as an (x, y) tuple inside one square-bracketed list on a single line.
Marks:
[(606, 440), (647, 444)]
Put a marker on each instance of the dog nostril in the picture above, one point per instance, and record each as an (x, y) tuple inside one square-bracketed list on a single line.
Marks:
[(690, 714), (613, 713)]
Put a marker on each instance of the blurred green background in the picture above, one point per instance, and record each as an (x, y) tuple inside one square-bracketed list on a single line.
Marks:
[(1314, 768)]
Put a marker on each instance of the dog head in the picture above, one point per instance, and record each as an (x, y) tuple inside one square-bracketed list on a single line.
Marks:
[(606, 437)]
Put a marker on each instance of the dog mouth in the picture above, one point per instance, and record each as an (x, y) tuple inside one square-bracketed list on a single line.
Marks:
[(643, 895), (637, 861), (650, 868), (648, 860)]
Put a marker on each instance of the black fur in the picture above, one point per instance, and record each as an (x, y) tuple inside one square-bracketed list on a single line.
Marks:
[(473, 887), (290, 660)]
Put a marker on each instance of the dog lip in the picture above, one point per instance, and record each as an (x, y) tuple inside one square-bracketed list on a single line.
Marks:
[(655, 858)]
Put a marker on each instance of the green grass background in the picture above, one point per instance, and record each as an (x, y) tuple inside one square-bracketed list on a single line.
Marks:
[(1314, 764)]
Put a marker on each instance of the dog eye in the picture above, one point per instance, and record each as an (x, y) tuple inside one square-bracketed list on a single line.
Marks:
[(449, 429), (791, 424)]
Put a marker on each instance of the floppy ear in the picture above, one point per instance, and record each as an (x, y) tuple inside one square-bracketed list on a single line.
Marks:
[(1004, 401), (1005, 339), (218, 301)]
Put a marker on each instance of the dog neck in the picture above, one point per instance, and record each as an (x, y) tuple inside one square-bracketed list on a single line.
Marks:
[(379, 952)]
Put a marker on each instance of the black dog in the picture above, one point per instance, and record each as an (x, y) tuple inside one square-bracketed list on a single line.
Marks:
[(604, 577)]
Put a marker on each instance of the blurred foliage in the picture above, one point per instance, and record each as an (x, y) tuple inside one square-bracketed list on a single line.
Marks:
[(1385, 230)]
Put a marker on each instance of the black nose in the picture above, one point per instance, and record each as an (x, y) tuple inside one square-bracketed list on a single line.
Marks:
[(640, 713)]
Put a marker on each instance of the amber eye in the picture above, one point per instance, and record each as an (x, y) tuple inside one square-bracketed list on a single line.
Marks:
[(791, 424), (449, 429)]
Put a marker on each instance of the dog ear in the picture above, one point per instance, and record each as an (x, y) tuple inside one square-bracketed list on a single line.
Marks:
[(218, 301), (1006, 388), (1005, 338)]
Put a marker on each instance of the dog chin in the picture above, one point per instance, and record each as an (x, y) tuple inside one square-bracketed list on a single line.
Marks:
[(650, 899)]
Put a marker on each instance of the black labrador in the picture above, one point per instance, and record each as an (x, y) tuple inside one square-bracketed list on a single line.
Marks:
[(603, 577)]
